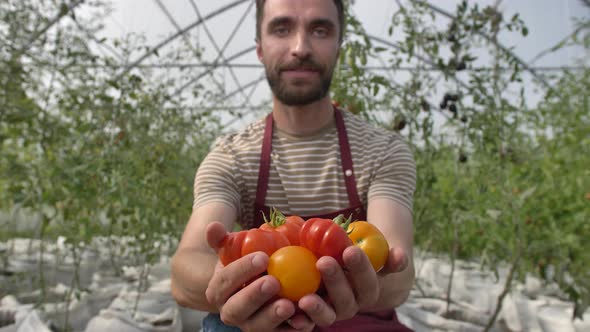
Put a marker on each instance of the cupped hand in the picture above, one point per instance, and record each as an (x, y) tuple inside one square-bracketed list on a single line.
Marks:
[(349, 289), (245, 297)]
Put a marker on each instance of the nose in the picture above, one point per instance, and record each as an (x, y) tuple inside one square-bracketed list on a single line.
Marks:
[(301, 45)]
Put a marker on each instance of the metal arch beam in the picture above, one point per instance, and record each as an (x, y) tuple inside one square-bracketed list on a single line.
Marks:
[(51, 23), (245, 86), (491, 40), (249, 110), (187, 41), (100, 45), (213, 67), (257, 81), (178, 34), (216, 46), (175, 24), (368, 67)]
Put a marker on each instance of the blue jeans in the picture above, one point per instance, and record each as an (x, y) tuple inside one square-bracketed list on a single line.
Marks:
[(212, 323)]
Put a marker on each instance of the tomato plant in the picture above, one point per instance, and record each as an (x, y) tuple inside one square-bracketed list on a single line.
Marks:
[(242, 243), (288, 226), (294, 267), (370, 239), (325, 237)]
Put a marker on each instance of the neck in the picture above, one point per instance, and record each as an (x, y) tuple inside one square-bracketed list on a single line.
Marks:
[(303, 120)]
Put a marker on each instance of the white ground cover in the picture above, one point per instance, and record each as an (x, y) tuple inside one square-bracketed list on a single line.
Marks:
[(138, 299)]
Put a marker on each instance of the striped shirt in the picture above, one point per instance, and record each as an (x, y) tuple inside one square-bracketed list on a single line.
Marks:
[(306, 175)]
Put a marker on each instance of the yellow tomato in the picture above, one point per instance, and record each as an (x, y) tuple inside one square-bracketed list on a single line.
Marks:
[(370, 239), (294, 267)]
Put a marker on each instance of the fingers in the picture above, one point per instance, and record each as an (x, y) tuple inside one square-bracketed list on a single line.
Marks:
[(320, 312), (228, 280), (273, 317), (216, 232), (247, 308), (340, 293), (362, 276), (251, 308), (348, 292), (301, 322)]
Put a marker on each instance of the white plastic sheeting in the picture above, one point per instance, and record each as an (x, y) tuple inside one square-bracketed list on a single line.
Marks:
[(138, 298)]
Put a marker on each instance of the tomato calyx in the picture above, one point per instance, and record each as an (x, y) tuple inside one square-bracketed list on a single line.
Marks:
[(276, 218), (344, 223), (288, 226)]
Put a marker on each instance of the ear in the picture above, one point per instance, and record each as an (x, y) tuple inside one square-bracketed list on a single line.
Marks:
[(259, 52)]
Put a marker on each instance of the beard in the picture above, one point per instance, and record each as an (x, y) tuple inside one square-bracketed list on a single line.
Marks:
[(300, 92)]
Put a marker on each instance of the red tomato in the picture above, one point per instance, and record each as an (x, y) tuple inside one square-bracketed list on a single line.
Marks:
[(242, 243), (370, 239), (294, 267), (288, 226), (325, 237)]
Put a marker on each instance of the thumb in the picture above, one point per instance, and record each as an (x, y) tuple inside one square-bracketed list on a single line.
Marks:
[(216, 233)]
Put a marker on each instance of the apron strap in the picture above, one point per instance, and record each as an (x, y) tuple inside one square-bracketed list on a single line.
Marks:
[(346, 158), (264, 168)]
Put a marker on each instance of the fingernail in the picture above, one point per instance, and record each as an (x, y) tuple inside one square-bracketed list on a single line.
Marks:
[(267, 288), (355, 258), (258, 262), (315, 308), (330, 271), (281, 312)]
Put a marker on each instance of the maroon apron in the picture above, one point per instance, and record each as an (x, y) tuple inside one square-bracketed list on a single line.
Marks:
[(367, 322)]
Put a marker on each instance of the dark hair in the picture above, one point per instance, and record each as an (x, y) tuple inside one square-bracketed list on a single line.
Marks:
[(260, 13)]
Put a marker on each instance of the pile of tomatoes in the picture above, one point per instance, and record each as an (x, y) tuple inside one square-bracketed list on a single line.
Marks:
[(294, 246)]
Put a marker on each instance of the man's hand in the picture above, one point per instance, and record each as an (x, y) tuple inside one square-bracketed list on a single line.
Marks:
[(253, 307), (351, 289)]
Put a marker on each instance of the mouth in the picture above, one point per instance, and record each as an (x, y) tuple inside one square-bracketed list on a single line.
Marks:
[(300, 73), (300, 69)]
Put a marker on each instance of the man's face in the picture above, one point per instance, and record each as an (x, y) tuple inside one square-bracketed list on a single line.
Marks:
[(299, 48)]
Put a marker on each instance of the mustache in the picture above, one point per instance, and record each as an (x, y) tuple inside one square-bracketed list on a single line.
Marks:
[(305, 64)]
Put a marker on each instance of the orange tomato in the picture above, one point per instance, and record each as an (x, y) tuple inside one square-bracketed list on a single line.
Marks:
[(370, 239), (294, 267)]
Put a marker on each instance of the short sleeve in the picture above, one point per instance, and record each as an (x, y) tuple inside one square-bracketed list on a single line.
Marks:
[(395, 175), (216, 178)]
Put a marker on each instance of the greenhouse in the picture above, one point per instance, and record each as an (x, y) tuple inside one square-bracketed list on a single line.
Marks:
[(109, 107)]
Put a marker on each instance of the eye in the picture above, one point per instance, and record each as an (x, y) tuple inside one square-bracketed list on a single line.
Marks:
[(280, 31), (320, 32)]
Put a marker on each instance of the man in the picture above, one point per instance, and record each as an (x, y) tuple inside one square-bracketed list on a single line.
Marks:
[(310, 159)]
